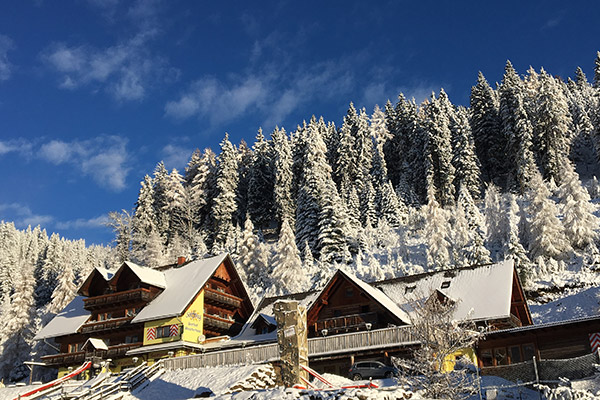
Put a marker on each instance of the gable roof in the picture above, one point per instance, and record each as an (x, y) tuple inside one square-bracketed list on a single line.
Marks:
[(97, 344), (181, 287), (482, 292), (147, 275), (67, 322)]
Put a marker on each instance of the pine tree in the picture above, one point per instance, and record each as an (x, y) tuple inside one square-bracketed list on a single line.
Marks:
[(485, 124), (288, 275), (513, 249), (225, 206), (144, 223), (578, 212), (244, 161), (193, 167), (65, 291), (261, 206), (438, 149), (253, 260), (201, 189), (547, 236), (161, 183), (436, 234), (282, 192), (464, 159)]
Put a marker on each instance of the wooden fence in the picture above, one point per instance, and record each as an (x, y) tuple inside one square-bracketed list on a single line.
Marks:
[(320, 346)]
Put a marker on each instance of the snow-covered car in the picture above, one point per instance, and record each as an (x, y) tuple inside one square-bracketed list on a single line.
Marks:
[(371, 369)]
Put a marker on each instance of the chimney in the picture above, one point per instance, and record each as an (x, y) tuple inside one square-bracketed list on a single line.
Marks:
[(180, 261)]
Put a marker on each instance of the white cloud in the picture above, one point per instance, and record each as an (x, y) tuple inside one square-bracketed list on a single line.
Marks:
[(104, 158), (175, 156), (23, 216), (6, 67), (97, 222), (19, 146)]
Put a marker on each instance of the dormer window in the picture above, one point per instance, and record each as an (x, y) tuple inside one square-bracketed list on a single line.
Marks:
[(445, 284), (409, 289)]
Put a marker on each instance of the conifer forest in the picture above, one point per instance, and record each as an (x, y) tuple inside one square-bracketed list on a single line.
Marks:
[(403, 189)]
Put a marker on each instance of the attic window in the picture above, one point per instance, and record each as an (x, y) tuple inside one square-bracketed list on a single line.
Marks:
[(445, 284), (409, 289)]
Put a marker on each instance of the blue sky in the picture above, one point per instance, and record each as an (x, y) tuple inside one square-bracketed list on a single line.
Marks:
[(93, 93)]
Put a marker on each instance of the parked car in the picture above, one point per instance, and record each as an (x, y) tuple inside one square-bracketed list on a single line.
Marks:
[(371, 369)]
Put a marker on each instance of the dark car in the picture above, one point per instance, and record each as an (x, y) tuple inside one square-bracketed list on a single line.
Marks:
[(371, 369)]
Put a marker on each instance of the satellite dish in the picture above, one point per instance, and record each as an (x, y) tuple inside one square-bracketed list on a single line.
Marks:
[(201, 338)]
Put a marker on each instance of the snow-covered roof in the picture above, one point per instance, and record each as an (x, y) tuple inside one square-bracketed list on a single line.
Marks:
[(482, 292), (181, 286), (97, 344), (147, 275), (269, 319), (67, 322), (163, 346), (106, 274), (378, 296)]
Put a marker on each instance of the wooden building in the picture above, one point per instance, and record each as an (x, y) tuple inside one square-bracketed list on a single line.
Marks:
[(149, 313)]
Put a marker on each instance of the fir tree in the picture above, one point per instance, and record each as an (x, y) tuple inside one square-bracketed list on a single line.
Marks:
[(261, 183), (65, 290), (464, 159), (436, 234), (253, 260), (225, 205), (282, 191), (288, 273)]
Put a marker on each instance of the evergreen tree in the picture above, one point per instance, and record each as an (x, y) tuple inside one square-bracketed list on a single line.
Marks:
[(513, 248), (436, 234), (288, 274), (597, 71), (494, 212), (120, 222), (225, 206), (244, 169), (261, 206), (201, 189), (161, 183), (193, 167), (65, 291), (547, 236), (253, 260), (282, 191), (578, 212), (144, 224), (464, 159), (485, 124)]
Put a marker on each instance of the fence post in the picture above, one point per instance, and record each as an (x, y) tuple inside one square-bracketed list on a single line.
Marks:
[(537, 377)]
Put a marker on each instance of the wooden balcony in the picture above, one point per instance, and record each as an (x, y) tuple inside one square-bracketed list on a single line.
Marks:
[(112, 299), (220, 299), (108, 324), (346, 323), (116, 351), (215, 323)]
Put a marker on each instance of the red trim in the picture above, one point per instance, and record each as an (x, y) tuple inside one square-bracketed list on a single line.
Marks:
[(55, 382)]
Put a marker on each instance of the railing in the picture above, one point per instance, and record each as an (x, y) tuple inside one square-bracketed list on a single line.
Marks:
[(121, 349), (217, 323), (107, 324), (139, 294), (337, 324), (225, 300), (64, 358), (344, 343)]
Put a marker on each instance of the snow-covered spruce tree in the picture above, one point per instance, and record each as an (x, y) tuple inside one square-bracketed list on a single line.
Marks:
[(282, 192), (320, 216), (464, 158), (202, 189), (176, 204), (518, 131), (144, 230), (391, 208), (552, 127), (261, 206), (253, 261), (493, 214), (120, 223), (161, 183), (46, 272), (65, 291), (547, 236), (9, 259), (485, 125), (193, 167), (368, 213), (225, 205), (17, 334), (438, 149), (597, 71), (583, 147), (347, 153), (244, 157), (513, 249), (580, 222), (289, 275), (472, 251), (402, 123), (436, 233), (331, 137)]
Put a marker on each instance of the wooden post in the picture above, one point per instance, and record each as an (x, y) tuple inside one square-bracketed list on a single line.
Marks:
[(292, 337)]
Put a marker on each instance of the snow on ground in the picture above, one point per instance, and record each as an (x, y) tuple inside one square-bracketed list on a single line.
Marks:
[(9, 393), (585, 303)]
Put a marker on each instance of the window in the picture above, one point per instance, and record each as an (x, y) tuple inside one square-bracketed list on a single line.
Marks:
[(365, 309), (131, 339), (445, 284), (104, 316), (337, 313), (409, 289), (528, 351), (500, 356), (130, 312), (486, 358), (74, 348), (163, 331), (349, 292), (515, 354)]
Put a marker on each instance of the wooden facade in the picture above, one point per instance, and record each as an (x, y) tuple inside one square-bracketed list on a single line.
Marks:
[(343, 306), (561, 340)]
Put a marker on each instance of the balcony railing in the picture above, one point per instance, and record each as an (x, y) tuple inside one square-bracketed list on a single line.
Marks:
[(72, 358), (347, 323), (216, 323), (128, 296), (97, 326), (221, 299), (64, 358)]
